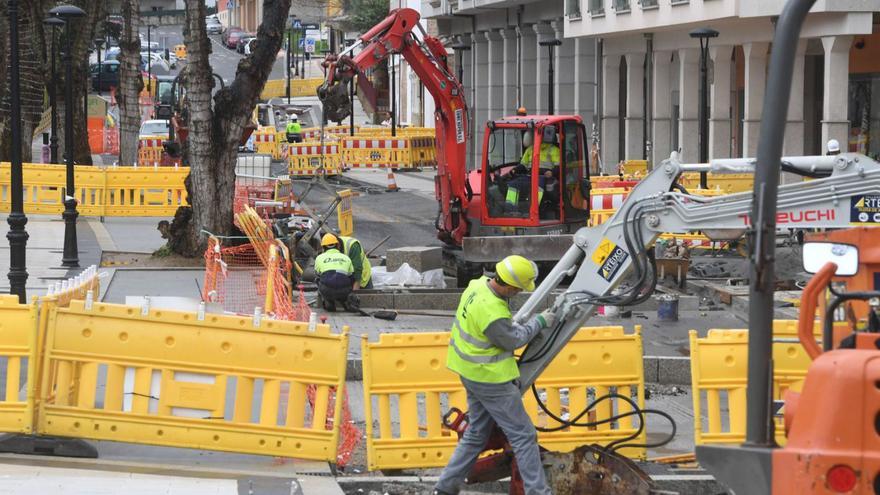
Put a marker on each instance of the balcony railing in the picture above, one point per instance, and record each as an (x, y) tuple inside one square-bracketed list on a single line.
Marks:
[(596, 7)]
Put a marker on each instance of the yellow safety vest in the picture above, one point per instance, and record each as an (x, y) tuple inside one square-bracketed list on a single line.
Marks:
[(294, 128), (366, 271), (333, 260), (548, 157), (470, 353)]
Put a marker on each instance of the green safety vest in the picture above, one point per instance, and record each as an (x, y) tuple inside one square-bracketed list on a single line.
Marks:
[(512, 196), (333, 261), (470, 353), (366, 271), (294, 128), (548, 157)]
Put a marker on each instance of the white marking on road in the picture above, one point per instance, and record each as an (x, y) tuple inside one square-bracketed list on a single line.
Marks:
[(105, 240)]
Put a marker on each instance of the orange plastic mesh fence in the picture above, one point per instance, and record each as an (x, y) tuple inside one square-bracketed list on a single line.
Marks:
[(349, 434), (237, 278)]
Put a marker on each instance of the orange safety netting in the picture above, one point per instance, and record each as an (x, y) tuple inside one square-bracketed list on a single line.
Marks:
[(349, 434), (239, 279)]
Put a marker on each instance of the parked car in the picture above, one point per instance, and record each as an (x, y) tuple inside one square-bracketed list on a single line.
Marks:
[(109, 75), (243, 41), (232, 36), (154, 128), (157, 61), (213, 26)]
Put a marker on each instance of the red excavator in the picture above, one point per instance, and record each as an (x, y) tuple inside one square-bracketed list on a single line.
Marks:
[(532, 184)]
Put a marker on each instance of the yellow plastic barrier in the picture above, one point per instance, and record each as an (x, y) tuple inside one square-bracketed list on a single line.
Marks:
[(330, 131), (167, 376), (377, 153), (727, 183), (150, 150), (305, 159), (635, 167), (266, 142), (274, 88), (18, 334), (402, 371), (385, 131), (114, 191), (719, 372)]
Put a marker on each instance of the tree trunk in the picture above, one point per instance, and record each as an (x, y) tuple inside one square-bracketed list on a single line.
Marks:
[(130, 83), (214, 133)]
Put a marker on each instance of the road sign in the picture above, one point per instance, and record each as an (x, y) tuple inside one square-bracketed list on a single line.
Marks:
[(310, 45), (230, 5), (302, 42), (311, 26), (296, 24)]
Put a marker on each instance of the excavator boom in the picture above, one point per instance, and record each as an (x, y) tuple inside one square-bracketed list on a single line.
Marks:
[(427, 59)]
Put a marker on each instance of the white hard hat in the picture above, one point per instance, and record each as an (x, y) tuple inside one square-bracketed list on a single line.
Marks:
[(294, 117), (833, 146)]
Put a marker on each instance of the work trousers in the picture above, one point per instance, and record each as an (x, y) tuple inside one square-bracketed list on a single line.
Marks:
[(490, 404)]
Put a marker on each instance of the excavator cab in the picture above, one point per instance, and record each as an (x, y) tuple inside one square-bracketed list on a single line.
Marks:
[(535, 174)]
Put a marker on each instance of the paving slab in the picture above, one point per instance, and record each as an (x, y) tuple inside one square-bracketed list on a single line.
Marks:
[(132, 234), (153, 282)]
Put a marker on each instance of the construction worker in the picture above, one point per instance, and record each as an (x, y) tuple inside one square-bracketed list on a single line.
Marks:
[(335, 274), (833, 147), (481, 351), (548, 157), (294, 130), (363, 272)]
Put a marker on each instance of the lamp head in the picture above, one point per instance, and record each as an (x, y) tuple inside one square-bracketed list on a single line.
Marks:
[(67, 12), (550, 42), (702, 33), (53, 22)]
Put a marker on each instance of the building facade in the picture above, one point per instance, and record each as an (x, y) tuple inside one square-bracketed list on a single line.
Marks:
[(649, 75), (503, 64)]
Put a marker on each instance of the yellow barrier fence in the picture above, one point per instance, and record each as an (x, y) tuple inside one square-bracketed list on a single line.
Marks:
[(405, 377), (169, 379), (305, 159), (18, 344), (377, 153), (336, 131), (274, 88), (727, 183), (719, 369), (114, 191), (266, 142)]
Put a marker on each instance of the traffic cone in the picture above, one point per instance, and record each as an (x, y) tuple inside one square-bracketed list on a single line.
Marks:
[(392, 183)]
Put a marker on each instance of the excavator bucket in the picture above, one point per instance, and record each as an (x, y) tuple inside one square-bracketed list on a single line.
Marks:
[(335, 100)]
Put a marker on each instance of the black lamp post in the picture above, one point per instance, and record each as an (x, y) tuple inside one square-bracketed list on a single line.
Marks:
[(551, 81), (459, 48), (17, 235), (70, 257), (99, 42), (53, 23), (293, 21), (703, 34)]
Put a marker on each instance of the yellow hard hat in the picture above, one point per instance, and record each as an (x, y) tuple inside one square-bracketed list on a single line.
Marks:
[(329, 240), (518, 272)]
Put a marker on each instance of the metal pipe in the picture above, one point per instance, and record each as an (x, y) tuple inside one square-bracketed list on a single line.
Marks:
[(17, 235), (393, 97), (597, 97), (289, 48), (763, 232), (649, 99)]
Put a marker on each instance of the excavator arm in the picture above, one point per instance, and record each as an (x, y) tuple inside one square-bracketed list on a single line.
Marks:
[(426, 57), (602, 257)]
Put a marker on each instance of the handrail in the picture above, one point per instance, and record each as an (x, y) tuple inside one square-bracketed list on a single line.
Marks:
[(809, 301)]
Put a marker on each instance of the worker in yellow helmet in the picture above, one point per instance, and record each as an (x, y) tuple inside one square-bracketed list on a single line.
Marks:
[(363, 272), (481, 347), (335, 275)]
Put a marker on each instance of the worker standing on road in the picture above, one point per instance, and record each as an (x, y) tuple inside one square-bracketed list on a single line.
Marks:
[(335, 274), (294, 130), (363, 272), (481, 351)]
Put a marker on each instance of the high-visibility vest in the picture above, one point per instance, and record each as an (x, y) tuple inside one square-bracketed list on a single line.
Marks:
[(294, 128), (470, 353), (366, 273), (548, 157), (333, 260)]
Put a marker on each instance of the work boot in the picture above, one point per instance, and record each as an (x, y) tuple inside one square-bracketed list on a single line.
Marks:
[(329, 306), (352, 303)]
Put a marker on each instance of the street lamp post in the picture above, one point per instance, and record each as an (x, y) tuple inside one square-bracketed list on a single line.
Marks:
[(704, 34), (289, 48), (551, 81), (53, 23), (17, 235), (459, 48), (70, 257)]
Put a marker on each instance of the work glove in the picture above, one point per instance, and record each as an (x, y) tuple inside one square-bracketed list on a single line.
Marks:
[(547, 318)]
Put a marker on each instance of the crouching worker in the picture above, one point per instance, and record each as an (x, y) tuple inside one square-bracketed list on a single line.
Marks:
[(335, 275)]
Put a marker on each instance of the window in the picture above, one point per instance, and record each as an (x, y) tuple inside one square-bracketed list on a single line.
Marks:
[(573, 8), (621, 5), (574, 156), (596, 7), (508, 180), (649, 4), (864, 115)]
